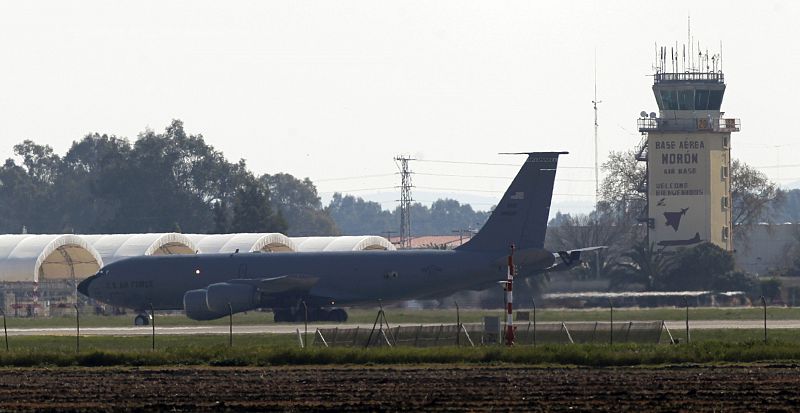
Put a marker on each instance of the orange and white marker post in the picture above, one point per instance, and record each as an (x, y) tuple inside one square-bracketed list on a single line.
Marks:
[(510, 299)]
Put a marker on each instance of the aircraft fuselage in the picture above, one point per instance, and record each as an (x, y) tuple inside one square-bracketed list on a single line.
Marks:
[(343, 278)]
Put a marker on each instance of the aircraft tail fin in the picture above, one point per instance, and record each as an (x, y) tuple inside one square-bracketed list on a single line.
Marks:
[(520, 218)]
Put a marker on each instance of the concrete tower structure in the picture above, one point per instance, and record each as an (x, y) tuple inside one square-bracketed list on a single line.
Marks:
[(687, 150)]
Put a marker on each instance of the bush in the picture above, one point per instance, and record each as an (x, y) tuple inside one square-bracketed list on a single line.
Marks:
[(704, 267), (771, 289)]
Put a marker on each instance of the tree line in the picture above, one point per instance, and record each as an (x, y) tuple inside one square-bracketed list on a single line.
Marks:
[(174, 181)]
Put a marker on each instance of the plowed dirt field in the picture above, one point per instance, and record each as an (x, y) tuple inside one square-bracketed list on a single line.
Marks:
[(767, 388)]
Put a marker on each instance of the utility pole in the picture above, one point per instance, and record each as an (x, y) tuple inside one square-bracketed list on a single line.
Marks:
[(596, 172), (405, 200)]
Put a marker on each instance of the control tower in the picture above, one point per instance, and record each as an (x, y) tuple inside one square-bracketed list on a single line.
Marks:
[(687, 150)]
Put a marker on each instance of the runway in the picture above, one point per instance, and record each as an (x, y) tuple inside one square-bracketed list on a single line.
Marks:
[(291, 328)]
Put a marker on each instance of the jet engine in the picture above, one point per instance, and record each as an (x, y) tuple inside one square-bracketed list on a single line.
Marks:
[(241, 297), (212, 302), (196, 308)]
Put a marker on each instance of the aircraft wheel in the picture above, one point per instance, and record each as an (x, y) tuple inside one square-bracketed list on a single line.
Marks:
[(338, 315), (141, 320)]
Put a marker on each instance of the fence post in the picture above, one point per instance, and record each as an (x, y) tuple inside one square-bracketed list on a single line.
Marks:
[(764, 303), (611, 329), (153, 323), (533, 300), (628, 333), (686, 303), (230, 325), (458, 325), (77, 329), (5, 329), (305, 321)]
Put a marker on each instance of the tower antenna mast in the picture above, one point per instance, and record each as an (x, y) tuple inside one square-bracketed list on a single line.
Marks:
[(596, 168), (596, 155)]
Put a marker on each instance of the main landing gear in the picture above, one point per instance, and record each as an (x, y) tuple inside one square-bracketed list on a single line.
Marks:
[(142, 319), (294, 315)]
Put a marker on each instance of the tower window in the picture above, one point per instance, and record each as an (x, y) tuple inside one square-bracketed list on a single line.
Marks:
[(725, 141), (686, 100), (724, 202), (715, 99), (725, 233), (701, 99), (724, 172), (670, 99)]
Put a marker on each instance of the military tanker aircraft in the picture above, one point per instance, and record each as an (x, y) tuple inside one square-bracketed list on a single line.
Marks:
[(210, 286)]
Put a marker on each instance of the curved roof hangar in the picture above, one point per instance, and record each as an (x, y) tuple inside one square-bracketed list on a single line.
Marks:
[(113, 247), (244, 242), (344, 243), (35, 258)]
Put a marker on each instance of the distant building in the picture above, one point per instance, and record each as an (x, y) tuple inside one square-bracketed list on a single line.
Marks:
[(435, 241), (768, 248)]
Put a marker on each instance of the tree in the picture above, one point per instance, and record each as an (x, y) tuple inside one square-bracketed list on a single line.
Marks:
[(222, 217), (39, 161), (298, 202), (699, 268), (252, 211), (355, 216), (623, 185), (603, 227), (88, 186), (643, 264), (18, 195), (105, 184), (752, 196), (789, 209)]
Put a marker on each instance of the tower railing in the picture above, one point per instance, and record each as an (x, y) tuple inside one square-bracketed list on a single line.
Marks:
[(688, 125), (689, 77)]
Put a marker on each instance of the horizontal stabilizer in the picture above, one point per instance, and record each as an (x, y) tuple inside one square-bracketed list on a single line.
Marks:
[(571, 257)]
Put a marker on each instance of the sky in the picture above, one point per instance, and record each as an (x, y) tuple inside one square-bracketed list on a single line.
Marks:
[(334, 90)]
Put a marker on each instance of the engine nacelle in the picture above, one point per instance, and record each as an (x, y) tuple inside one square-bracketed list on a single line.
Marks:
[(196, 308), (241, 297)]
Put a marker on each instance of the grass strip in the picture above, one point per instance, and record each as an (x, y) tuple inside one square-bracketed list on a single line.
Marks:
[(589, 355), (399, 315)]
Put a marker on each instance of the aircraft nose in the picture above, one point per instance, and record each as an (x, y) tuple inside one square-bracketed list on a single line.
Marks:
[(83, 286)]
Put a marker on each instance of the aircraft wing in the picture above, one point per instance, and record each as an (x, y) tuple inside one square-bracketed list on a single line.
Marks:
[(278, 285), (570, 258)]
